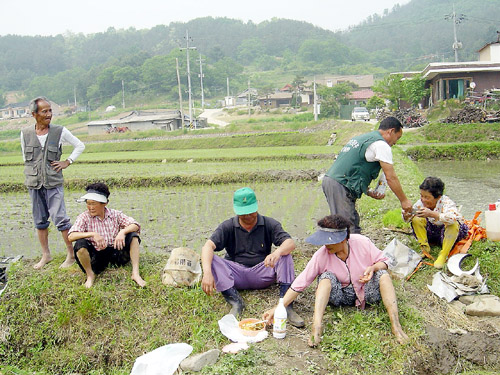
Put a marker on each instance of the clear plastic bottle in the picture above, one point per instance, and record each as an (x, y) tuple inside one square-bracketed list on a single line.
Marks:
[(381, 185), (279, 325)]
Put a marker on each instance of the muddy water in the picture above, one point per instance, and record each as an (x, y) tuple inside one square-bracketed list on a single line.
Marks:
[(471, 184), (170, 217)]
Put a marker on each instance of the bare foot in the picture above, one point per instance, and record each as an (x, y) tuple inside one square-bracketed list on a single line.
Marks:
[(401, 337), (90, 281), (68, 262), (315, 337), (138, 279), (45, 259)]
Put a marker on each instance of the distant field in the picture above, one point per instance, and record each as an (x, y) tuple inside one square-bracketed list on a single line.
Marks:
[(14, 174), (158, 155)]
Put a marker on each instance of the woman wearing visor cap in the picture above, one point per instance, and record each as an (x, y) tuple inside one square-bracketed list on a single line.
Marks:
[(351, 271)]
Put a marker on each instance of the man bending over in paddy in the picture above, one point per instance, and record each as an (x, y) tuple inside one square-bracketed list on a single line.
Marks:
[(104, 236)]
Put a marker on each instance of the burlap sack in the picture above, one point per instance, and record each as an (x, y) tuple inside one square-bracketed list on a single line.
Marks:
[(183, 268)]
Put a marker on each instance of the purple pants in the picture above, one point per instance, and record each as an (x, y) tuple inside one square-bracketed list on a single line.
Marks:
[(228, 274)]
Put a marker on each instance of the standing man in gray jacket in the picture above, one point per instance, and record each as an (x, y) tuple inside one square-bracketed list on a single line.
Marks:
[(41, 145)]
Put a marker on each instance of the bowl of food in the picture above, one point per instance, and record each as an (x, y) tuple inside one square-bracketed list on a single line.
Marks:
[(251, 326)]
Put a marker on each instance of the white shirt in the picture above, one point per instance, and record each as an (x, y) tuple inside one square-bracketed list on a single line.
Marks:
[(379, 151), (66, 137)]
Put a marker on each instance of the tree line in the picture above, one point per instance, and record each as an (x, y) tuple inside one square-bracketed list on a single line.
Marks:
[(91, 68)]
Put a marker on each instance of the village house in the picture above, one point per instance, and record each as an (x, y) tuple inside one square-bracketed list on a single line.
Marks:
[(360, 97), (15, 110), (137, 121), (242, 98), (471, 80), (22, 109), (363, 81), (276, 100)]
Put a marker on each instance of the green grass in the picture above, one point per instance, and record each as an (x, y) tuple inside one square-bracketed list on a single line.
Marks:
[(182, 155), (52, 316), (464, 151), (452, 133)]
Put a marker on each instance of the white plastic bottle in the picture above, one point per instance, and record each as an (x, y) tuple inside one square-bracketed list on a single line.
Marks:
[(279, 325), (381, 185)]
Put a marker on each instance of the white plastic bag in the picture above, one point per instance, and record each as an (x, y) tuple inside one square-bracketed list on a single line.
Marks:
[(161, 361), (402, 259), (228, 326)]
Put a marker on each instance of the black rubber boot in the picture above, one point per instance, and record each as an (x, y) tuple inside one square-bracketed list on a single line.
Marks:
[(293, 318), (234, 299)]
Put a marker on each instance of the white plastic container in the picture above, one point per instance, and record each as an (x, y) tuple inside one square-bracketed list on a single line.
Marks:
[(279, 325), (492, 219)]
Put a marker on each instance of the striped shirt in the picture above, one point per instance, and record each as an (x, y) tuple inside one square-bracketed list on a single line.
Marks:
[(113, 222)]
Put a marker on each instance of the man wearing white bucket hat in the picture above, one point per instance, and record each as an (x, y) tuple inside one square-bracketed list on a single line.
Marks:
[(249, 262), (104, 236)]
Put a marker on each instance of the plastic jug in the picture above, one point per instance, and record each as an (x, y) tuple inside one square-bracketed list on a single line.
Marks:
[(279, 326), (492, 217)]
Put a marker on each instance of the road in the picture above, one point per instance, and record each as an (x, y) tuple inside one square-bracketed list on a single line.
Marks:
[(212, 117)]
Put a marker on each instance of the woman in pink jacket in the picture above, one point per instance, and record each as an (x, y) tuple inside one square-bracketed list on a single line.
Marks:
[(351, 271)]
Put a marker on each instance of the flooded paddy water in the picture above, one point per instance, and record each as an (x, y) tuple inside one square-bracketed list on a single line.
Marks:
[(171, 217), (187, 215), (471, 184)]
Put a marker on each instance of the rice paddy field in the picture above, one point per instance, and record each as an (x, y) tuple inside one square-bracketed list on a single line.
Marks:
[(179, 191), (172, 216), (180, 196)]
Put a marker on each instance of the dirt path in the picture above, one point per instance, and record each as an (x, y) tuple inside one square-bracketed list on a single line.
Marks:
[(212, 116)]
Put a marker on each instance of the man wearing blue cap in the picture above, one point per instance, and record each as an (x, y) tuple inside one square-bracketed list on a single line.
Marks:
[(249, 263)]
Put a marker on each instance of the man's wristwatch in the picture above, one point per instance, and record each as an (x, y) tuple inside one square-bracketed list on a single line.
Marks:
[(70, 161)]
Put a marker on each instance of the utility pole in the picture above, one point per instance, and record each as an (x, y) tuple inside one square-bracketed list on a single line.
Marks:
[(457, 19), (201, 84), (249, 98), (227, 83), (123, 95), (74, 92), (180, 92), (315, 101), (189, 78)]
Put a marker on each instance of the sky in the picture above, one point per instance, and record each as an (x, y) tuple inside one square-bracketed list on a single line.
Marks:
[(52, 17)]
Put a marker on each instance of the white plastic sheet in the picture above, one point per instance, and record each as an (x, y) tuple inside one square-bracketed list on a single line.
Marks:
[(402, 259), (452, 287), (161, 361), (228, 326)]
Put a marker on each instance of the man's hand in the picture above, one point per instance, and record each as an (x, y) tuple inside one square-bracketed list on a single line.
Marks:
[(271, 259), (371, 193), (60, 165), (119, 241), (208, 283), (406, 205), (100, 241)]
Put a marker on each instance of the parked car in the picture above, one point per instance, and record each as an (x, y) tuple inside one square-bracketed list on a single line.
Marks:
[(360, 113)]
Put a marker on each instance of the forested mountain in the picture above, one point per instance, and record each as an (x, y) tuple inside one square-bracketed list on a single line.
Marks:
[(422, 31), (93, 67)]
